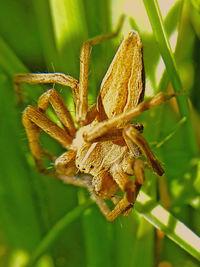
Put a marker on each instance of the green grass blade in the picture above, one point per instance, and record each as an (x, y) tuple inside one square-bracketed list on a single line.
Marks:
[(157, 24), (9, 61), (56, 231), (70, 30), (147, 207), (156, 21), (21, 223), (165, 221), (44, 21), (12, 65)]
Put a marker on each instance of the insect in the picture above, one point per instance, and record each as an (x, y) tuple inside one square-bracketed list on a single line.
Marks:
[(104, 151)]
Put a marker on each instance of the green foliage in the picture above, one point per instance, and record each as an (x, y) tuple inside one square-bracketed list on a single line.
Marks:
[(43, 219)]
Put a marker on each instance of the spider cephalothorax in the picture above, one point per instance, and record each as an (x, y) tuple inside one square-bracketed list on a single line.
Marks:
[(106, 147)]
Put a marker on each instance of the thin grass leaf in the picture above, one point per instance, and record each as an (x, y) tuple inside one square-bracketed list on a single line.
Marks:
[(45, 25), (70, 30), (171, 134), (157, 24), (12, 65), (151, 51), (22, 225), (50, 238), (148, 208), (166, 222), (156, 21), (9, 61), (19, 177)]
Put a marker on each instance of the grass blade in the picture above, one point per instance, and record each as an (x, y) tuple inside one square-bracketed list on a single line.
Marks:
[(166, 222), (44, 22), (56, 231), (156, 21)]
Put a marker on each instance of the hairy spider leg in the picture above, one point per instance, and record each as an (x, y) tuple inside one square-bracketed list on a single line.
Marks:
[(131, 135), (130, 188), (105, 126), (82, 100), (52, 97), (138, 169), (34, 120), (97, 185), (36, 78)]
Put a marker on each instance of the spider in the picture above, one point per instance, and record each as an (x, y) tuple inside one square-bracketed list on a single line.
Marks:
[(105, 148)]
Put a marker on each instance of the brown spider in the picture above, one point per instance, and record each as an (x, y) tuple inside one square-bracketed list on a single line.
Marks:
[(106, 146)]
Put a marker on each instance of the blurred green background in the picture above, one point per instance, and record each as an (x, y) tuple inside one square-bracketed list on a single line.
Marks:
[(46, 36)]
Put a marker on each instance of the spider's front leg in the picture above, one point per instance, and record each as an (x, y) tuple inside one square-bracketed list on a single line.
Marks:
[(42, 78), (106, 126), (131, 135), (82, 98)]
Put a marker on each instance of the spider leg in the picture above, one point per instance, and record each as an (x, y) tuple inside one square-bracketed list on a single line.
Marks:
[(105, 126), (35, 78), (85, 181), (131, 189), (111, 135), (124, 205), (53, 98), (131, 135), (65, 164), (91, 113), (138, 168), (82, 102), (104, 184), (116, 134), (33, 121)]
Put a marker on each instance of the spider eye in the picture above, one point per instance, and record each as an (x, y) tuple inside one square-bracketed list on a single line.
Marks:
[(83, 169), (138, 126), (91, 167)]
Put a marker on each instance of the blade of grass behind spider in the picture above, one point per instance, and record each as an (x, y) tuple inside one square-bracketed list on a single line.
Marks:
[(151, 51), (156, 21), (150, 127), (18, 178), (44, 21), (185, 55), (166, 222), (183, 152), (18, 216), (189, 144), (145, 233), (56, 230), (11, 64), (146, 206), (70, 30)]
